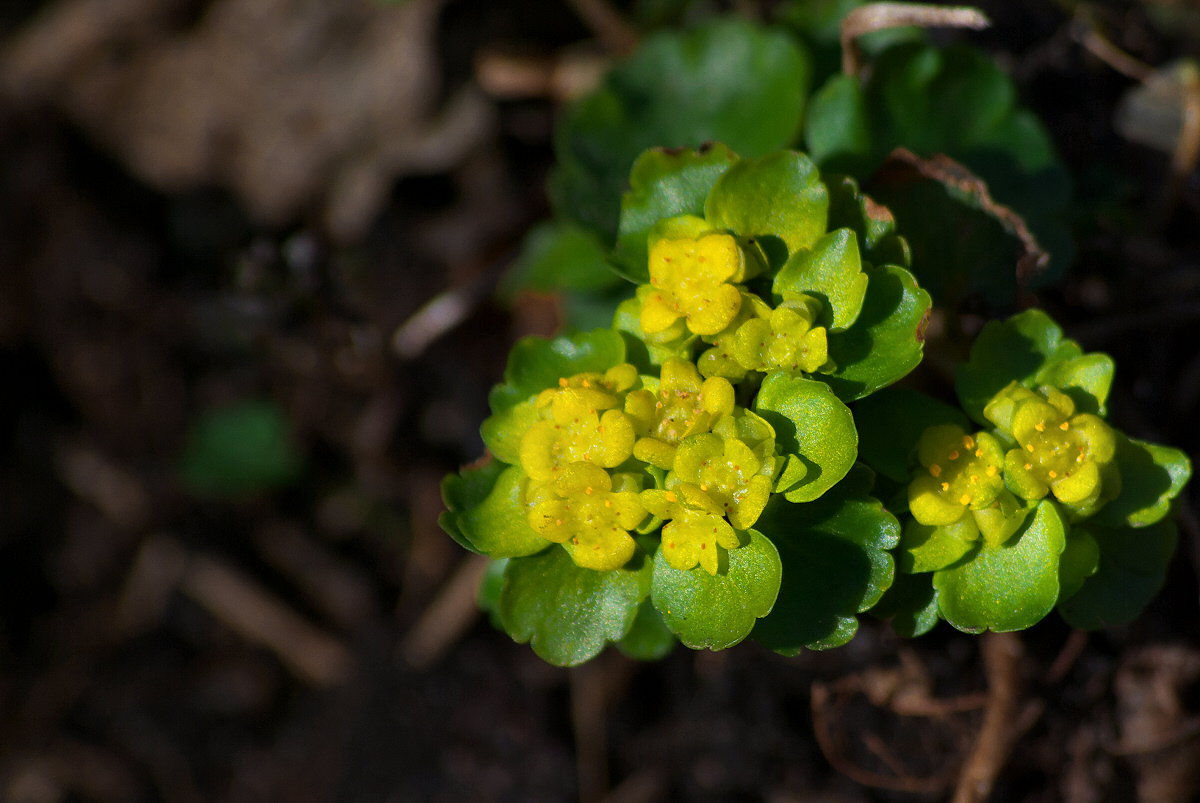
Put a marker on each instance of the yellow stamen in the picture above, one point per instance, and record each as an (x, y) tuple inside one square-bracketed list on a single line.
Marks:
[(1028, 466), (965, 499), (953, 455), (1053, 474), (1040, 426), (588, 490), (991, 471), (974, 478), (1064, 426), (608, 503), (935, 470), (1029, 446), (562, 382), (671, 497), (979, 452), (945, 486), (968, 442)]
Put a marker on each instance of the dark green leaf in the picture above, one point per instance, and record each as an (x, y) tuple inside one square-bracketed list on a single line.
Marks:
[(664, 183), (556, 257), (569, 613), (1009, 587), (488, 597), (1151, 476), (240, 451), (837, 130), (835, 564), (1079, 561), (910, 604), (726, 81), (812, 423), (888, 339), (874, 223), (890, 423), (535, 364), (1019, 349), (780, 195), (717, 611), (649, 639), (1133, 567)]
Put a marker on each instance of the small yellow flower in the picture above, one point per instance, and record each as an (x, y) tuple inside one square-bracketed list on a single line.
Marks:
[(692, 279), (729, 472), (1058, 450), (581, 511), (696, 532), (958, 472), (682, 404)]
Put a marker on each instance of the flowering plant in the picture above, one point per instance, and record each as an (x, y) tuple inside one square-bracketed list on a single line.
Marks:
[(692, 472)]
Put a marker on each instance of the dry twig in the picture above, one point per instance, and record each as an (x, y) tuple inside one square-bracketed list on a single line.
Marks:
[(447, 617), (881, 16)]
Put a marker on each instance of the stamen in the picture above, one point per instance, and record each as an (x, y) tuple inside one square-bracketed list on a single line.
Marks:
[(671, 497), (974, 478), (1029, 446), (968, 442), (953, 455), (1040, 426), (945, 486), (991, 471), (965, 499), (1053, 473), (1029, 466), (608, 503), (979, 452), (588, 490), (935, 470), (1064, 426), (562, 382)]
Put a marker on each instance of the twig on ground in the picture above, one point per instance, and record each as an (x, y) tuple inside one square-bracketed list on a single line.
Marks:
[(607, 23), (588, 707), (257, 616), (1002, 721), (880, 16), (447, 618), (1066, 658)]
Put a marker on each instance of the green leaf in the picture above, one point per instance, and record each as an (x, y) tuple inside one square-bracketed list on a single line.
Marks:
[(664, 183), (555, 257), (1086, 379), (888, 339), (463, 491), (1133, 567), (497, 525), (890, 423), (928, 549), (726, 81), (649, 639), (910, 604), (502, 432), (569, 613), (837, 130), (874, 223), (1151, 476), (812, 423), (535, 363), (1020, 349), (240, 451), (1009, 587), (717, 611), (780, 195), (835, 565), (832, 272), (488, 596), (1079, 561)]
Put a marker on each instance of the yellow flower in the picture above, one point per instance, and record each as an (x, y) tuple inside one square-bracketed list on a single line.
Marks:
[(959, 472), (682, 404), (1058, 450), (691, 279), (581, 511), (729, 472), (572, 427), (696, 532)]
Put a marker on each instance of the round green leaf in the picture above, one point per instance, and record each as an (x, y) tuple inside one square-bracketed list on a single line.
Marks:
[(535, 363), (569, 613), (835, 564), (811, 423), (1133, 567), (726, 81), (1151, 476), (890, 423), (1079, 561), (664, 183), (649, 639), (558, 256), (780, 195), (888, 339), (832, 272), (926, 549), (240, 451), (1009, 587), (717, 611), (1086, 379), (1018, 349), (502, 432), (497, 526), (874, 223)]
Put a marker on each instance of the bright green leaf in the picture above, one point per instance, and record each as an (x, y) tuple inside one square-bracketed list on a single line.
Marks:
[(717, 611), (812, 423), (488, 596), (837, 131), (664, 183), (1086, 379), (1151, 476), (780, 195), (835, 564), (497, 526), (1009, 587), (831, 271), (927, 549), (888, 339), (569, 613), (1133, 567)]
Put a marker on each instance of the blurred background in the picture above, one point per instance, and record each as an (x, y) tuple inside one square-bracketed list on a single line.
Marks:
[(248, 259)]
